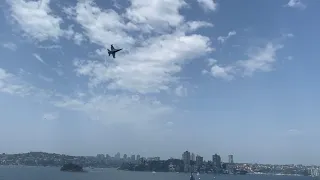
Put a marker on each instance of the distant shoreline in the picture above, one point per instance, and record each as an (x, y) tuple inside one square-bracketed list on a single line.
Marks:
[(250, 173)]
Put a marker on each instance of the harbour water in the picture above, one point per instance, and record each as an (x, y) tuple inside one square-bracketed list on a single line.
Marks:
[(50, 173)]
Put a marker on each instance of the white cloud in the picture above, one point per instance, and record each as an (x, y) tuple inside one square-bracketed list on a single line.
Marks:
[(78, 38), (223, 39), (289, 35), (50, 116), (296, 4), (169, 123), (293, 132), (59, 71), (117, 109), (204, 71), (259, 59), (69, 33), (14, 85), (101, 26), (195, 25), (38, 57), (181, 91), (147, 72), (36, 19), (289, 58), (154, 60), (208, 4), (156, 15), (80, 94), (45, 78), (212, 61), (22, 72), (116, 4), (10, 84), (10, 45), (108, 109), (222, 72)]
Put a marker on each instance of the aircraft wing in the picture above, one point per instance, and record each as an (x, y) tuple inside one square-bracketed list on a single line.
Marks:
[(112, 48), (114, 55)]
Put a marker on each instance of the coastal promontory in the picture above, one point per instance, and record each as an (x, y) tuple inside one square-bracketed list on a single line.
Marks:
[(71, 168)]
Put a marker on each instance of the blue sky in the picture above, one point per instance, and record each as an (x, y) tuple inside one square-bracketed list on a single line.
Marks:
[(226, 77)]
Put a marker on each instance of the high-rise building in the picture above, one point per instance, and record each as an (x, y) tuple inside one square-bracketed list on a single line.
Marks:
[(216, 161), (107, 156), (138, 157), (100, 156), (186, 157), (193, 157), (133, 157), (117, 156), (230, 157), (199, 160), (125, 156), (186, 161)]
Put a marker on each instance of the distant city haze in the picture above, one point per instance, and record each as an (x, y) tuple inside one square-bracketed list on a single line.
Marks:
[(208, 77)]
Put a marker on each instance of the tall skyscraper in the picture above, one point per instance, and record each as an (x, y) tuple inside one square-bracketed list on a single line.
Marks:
[(193, 157), (230, 157), (199, 160), (100, 156), (117, 156), (186, 157), (216, 160), (125, 156), (133, 157), (138, 157), (107, 156), (186, 161)]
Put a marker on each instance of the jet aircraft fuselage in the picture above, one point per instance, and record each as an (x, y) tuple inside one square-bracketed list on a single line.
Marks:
[(113, 51)]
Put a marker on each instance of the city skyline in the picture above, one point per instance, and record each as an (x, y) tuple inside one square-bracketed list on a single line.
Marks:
[(185, 158), (184, 165), (192, 75), (136, 156)]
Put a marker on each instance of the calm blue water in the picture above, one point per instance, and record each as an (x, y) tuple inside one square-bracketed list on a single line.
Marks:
[(49, 173)]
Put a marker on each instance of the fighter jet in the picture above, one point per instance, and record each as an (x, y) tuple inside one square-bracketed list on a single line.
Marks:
[(113, 51)]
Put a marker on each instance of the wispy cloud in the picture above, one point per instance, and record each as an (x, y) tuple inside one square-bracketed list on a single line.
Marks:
[(10, 45), (293, 132), (259, 59), (181, 91), (38, 57), (208, 5), (36, 20), (78, 38), (223, 39), (50, 116), (45, 78), (296, 4), (289, 58), (11, 84)]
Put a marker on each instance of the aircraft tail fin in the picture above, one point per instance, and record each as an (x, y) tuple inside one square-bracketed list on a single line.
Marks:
[(109, 52)]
